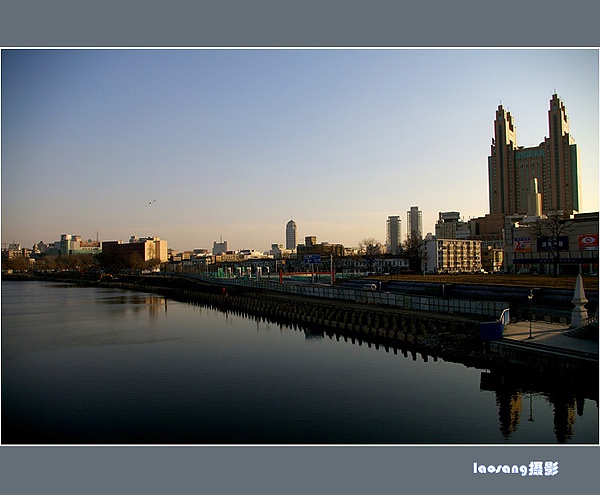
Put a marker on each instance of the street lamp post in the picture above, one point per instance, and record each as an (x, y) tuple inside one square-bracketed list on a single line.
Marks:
[(530, 297)]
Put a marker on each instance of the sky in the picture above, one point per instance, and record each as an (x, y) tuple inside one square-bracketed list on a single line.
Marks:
[(233, 143)]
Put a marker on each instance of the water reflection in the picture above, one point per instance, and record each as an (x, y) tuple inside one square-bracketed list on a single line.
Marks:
[(566, 399), (198, 374), (564, 415), (512, 388), (126, 302)]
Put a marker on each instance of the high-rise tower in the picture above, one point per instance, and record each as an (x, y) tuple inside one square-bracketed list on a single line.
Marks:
[(560, 180), (393, 235), (291, 236), (554, 163), (414, 224)]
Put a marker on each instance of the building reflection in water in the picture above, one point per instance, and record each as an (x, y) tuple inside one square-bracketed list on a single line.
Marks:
[(137, 303), (564, 415), (509, 410), (511, 391)]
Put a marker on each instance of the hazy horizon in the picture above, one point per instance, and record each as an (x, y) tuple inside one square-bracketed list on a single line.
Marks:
[(234, 143)]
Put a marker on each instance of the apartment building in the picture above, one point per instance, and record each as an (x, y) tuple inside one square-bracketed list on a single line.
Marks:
[(452, 256), (146, 248)]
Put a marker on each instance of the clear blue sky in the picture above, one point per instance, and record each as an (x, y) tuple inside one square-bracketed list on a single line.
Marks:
[(234, 143)]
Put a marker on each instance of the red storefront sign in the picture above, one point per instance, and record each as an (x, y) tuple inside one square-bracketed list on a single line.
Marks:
[(588, 242), (522, 245)]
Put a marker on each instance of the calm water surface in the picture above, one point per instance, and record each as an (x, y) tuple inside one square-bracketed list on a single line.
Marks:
[(90, 365)]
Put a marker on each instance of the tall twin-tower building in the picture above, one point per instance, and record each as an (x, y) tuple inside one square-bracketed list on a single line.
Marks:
[(526, 180)]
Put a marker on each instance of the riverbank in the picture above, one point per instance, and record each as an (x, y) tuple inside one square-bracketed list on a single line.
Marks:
[(449, 337), (90, 364)]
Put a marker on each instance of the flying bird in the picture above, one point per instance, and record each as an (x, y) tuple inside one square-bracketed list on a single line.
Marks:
[(149, 203)]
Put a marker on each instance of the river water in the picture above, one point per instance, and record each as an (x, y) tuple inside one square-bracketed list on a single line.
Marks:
[(105, 366)]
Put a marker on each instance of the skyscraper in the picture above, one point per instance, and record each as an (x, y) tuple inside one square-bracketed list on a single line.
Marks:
[(414, 222), (554, 163), (291, 236), (393, 235)]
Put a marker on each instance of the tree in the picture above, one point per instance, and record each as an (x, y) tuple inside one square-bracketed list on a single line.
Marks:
[(70, 262), (136, 262), (45, 263), (550, 233), (370, 248), (112, 262), (413, 247), (18, 264)]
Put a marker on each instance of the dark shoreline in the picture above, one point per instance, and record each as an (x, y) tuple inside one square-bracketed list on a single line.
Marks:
[(448, 337)]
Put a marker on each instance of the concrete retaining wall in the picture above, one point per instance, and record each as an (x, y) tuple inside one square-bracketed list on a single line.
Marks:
[(389, 323), (543, 359), (491, 309)]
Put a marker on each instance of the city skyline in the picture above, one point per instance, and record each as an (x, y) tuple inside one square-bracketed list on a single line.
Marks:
[(192, 145)]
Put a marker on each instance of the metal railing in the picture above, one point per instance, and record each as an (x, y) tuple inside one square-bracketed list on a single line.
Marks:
[(402, 301)]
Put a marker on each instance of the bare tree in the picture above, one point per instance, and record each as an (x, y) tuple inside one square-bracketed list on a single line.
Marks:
[(413, 247), (550, 233), (370, 248)]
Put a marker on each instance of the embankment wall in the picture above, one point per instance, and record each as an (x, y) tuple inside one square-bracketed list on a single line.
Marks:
[(450, 337)]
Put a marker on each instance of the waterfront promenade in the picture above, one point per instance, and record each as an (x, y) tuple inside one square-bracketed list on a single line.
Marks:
[(548, 334), (552, 350)]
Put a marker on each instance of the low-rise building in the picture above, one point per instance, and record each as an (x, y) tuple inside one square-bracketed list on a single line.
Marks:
[(310, 246), (229, 257), (492, 258), (538, 244), (383, 264), (450, 226), (73, 244), (219, 247), (279, 252), (13, 251), (146, 248), (452, 256)]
